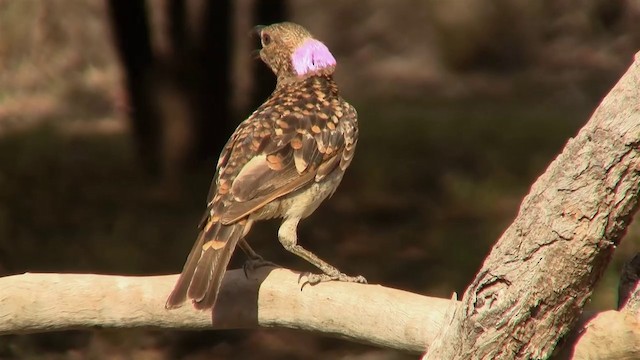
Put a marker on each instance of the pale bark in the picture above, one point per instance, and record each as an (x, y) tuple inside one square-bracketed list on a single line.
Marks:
[(535, 282), (611, 335), (268, 298), (369, 314)]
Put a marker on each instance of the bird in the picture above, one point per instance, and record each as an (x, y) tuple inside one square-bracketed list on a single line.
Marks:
[(284, 160)]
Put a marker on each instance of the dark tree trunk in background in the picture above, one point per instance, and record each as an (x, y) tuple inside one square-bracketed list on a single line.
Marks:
[(132, 41), (214, 90), (178, 93), (180, 90)]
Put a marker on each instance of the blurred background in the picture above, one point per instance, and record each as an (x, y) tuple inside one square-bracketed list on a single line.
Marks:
[(113, 113)]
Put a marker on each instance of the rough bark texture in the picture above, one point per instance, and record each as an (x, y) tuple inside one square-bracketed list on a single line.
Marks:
[(532, 287)]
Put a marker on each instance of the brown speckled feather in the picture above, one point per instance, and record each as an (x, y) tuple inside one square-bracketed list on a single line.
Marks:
[(291, 140), (302, 133)]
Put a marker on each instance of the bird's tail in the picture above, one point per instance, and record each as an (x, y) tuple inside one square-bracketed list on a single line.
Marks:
[(205, 267)]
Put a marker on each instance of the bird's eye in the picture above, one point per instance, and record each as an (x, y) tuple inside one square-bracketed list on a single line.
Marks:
[(266, 39)]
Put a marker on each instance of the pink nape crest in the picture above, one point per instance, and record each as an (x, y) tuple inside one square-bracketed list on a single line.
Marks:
[(311, 56)]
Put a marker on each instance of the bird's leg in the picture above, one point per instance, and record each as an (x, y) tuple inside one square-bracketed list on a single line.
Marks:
[(287, 234), (248, 250), (254, 260)]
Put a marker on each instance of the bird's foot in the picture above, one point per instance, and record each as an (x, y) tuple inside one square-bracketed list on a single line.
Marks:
[(256, 263), (314, 279)]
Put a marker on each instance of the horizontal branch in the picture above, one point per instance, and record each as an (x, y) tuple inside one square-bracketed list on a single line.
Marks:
[(370, 314)]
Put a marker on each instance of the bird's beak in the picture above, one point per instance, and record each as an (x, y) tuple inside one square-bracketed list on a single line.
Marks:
[(257, 29)]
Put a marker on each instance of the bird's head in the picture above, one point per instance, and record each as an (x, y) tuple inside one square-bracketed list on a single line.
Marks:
[(292, 52)]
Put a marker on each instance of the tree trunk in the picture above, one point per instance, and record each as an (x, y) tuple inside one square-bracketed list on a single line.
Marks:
[(131, 37), (535, 282)]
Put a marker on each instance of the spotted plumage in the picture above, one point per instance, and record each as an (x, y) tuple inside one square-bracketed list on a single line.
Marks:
[(282, 161)]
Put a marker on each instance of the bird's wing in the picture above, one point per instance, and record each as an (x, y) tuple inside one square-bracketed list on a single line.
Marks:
[(280, 149)]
